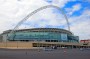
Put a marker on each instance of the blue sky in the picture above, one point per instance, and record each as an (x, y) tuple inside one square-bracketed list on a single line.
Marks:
[(77, 11), (70, 4), (85, 5)]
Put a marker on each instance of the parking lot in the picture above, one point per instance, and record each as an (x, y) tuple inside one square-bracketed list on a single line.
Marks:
[(42, 54)]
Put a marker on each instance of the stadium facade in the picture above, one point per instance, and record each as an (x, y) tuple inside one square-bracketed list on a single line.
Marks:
[(40, 37), (40, 34)]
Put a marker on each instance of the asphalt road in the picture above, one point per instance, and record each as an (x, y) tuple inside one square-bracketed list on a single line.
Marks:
[(35, 54)]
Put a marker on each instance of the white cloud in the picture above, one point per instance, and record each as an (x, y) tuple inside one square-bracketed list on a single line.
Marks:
[(76, 7), (81, 25), (12, 11)]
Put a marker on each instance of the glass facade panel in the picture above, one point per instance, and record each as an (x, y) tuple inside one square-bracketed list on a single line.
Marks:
[(73, 38), (35, 35), (42, 36)]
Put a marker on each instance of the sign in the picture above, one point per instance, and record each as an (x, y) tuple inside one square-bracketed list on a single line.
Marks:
[(63, 36)]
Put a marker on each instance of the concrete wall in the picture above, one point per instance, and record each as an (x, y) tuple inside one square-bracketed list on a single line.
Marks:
[(15, 45), (30, 44)]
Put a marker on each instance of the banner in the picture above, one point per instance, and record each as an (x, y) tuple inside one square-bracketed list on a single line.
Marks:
[(63, 36)]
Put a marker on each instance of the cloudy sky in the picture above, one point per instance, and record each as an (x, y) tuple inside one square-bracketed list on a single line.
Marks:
[(77, 11)]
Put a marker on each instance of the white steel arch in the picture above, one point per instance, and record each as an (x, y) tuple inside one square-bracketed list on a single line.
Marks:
[(39, 9)]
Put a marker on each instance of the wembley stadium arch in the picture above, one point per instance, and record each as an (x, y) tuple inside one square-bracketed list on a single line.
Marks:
[(39, 9)]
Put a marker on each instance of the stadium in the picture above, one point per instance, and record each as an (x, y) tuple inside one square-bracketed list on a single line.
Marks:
[(40, 37), (40, 34)]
